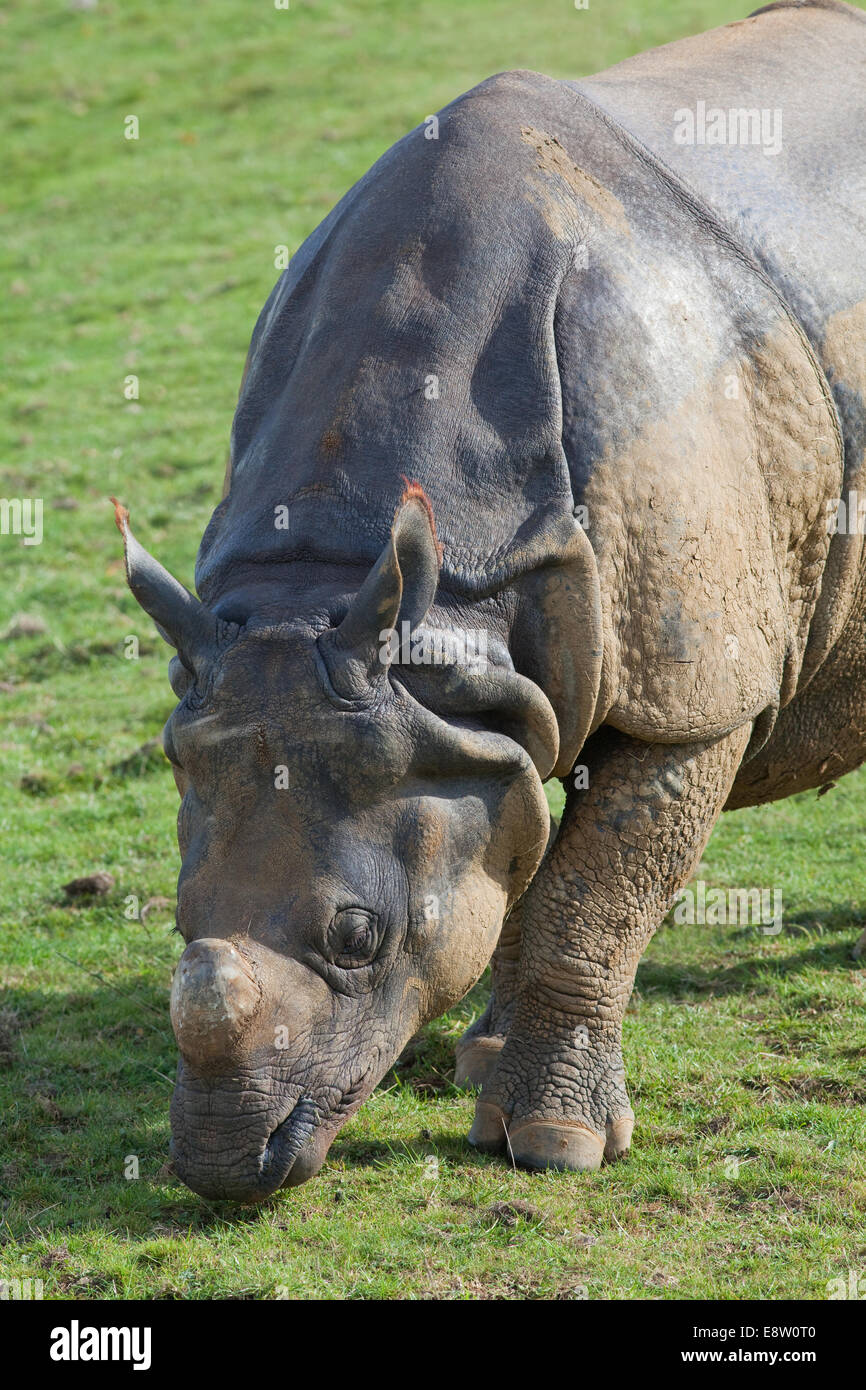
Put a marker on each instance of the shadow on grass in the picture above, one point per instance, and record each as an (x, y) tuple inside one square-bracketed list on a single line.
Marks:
[(831, 919), (85, 1077), (756, 975), (87, 1073), (380, 1154)]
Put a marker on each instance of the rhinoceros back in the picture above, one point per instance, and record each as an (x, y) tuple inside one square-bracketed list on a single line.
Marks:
[(412, 335), (529, 316)]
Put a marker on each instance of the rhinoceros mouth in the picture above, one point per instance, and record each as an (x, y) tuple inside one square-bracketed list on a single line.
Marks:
[(292, 1152), (287, 1140), (305, 1121)]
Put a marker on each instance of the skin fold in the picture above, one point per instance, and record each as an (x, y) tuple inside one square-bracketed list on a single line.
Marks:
[(551, 384)]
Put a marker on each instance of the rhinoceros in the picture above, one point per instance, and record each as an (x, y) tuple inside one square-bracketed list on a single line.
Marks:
[(545, 465)]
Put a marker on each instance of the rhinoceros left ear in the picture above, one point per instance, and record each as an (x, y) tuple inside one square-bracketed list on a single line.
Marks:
[(181, 618), (399, 589)]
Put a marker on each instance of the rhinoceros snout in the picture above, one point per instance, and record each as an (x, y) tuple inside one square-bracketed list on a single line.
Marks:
[(223, 1149), (214, 999)]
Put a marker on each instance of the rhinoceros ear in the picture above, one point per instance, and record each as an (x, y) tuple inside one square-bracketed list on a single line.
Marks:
[(180, 617), (399, 589), (484, 687)]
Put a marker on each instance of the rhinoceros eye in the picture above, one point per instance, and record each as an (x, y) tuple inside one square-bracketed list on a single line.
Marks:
[(353, 938)]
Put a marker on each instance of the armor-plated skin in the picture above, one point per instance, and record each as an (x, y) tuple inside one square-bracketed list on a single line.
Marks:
[(626, 376)]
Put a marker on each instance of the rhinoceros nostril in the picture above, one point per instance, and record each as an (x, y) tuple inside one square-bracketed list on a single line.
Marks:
[(213, 998)]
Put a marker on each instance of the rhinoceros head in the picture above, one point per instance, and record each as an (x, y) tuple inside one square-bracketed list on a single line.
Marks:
[(352, 831)]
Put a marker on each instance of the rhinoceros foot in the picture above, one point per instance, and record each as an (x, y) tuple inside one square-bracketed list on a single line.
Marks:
[(567, 1145), (530, 1124)]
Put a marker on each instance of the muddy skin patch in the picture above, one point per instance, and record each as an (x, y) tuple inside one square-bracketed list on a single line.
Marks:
[(553, 159)]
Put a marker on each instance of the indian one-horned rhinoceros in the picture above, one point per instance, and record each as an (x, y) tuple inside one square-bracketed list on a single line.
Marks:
[(613, 333)]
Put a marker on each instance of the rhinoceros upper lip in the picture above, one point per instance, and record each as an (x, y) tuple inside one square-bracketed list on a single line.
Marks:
[(288, 1139), (290, 1135)]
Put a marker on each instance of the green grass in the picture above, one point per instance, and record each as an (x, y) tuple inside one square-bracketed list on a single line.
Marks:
[(153, 257)]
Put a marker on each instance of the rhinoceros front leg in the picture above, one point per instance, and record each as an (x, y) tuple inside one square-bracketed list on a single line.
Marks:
[(556, 1096)]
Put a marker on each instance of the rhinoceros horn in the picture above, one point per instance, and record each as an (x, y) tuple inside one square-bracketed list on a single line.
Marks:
[(182, 619), (400, 588)]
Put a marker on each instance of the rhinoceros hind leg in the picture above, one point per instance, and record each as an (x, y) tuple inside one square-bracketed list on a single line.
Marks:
[(475, 1058), (555, 1096), (477, 1051)]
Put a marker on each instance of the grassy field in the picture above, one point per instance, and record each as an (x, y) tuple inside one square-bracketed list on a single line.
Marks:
[(151, 258)]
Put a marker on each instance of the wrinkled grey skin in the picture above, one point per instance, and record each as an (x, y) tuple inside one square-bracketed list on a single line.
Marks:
[(348, 855), (626, 376)]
